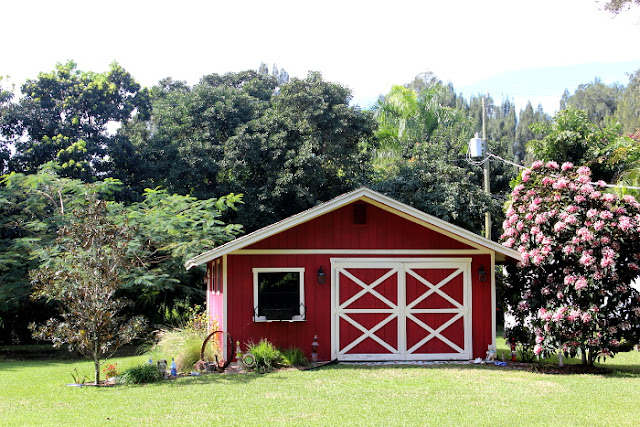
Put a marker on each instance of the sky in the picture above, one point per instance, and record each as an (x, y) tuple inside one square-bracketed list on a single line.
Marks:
[(520, 50)]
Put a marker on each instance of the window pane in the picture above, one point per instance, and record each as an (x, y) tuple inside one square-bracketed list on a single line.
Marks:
[(279, 291)]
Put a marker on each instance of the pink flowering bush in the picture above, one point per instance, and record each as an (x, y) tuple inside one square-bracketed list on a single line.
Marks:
[(580, 248)]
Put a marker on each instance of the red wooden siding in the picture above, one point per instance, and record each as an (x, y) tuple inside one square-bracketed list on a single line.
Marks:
[(283, 334), (335, 230), (318, 307)]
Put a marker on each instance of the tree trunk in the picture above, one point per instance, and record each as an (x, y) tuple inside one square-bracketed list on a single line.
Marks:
[(583, 353), (96, 362)]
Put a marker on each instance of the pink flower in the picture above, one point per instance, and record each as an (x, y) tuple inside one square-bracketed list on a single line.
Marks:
[(620, 210), (584, 170), (561, 184), (584, 179), (541, 218), (566, 166), (579, 198), (587, 189), (517, 189), (559, 226), (581, 283), (552, 165), (587, 259), (569, 280), (609, 198), (537, 259), (586, 317), (547, 180), (537, 164), (625, 223), (537, 349), (573, 315), (509, 243), (572, 208), (524, 238), (592, 213), (598, 225)]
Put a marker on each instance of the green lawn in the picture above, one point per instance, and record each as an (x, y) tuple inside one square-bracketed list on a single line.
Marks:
[(34, 393)]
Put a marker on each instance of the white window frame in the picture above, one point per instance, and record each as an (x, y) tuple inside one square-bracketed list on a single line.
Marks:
[(296, 318)]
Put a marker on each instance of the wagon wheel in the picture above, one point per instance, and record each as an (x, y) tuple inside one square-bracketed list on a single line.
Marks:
[(219, 337)]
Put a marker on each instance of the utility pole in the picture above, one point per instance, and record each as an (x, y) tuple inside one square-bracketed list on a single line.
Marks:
[(487, 170)]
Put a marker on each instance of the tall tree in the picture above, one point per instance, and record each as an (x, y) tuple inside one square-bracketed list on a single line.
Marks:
[(306, 148), (598, 100), (628, 109), (182, 145), (524, 133), (571, 137), (63, 116)]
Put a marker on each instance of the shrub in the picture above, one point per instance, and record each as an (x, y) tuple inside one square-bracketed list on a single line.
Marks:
[(184, 344), (141, 374), (294, 357), (267, 356)]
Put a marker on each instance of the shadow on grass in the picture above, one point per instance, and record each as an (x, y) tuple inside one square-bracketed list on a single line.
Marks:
[(544, 368)]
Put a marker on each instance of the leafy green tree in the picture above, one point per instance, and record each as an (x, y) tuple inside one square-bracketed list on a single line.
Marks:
[(573, 138), (63, 116), (305, 149), (169, 229), (82, 275), (524, 133), (182, 146), (628, 108), (598, 100), (32, 209)]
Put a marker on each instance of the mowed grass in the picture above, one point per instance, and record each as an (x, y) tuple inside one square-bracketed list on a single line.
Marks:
[(34, 393)]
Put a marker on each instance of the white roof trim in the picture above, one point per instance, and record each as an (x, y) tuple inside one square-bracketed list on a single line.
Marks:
[(365, 194)]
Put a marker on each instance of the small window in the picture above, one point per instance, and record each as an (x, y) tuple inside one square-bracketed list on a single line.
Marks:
[(278, 294)]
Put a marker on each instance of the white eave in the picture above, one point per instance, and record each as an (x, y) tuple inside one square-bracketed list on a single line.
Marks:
[(365, 194)]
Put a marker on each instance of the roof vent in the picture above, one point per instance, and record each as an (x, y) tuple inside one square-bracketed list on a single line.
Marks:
[(360, 213)]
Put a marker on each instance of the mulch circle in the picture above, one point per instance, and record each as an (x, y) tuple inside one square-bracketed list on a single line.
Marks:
[(555, 369)]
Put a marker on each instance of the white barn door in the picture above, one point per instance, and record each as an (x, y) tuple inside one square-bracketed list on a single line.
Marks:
[(398, 309)]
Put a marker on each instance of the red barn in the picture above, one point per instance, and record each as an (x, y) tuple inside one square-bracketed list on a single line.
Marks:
[(373, 278)]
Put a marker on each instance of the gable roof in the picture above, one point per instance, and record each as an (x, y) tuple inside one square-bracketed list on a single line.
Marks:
[(361, 194)]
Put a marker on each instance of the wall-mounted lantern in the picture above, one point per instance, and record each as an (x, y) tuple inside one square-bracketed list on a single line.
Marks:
[(482, 274), (321, 276)]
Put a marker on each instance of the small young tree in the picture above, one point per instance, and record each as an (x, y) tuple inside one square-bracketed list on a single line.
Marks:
[(581, 251), (82, 274)]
